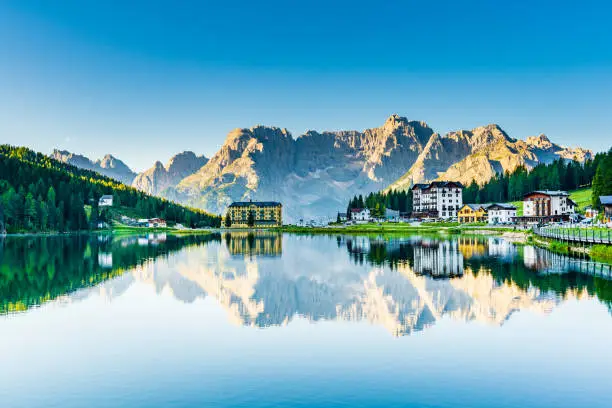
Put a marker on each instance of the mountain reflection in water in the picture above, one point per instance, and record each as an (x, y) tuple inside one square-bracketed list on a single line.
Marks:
[(263, 279)]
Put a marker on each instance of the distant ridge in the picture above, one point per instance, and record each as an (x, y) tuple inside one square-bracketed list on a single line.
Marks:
[(315, 174)]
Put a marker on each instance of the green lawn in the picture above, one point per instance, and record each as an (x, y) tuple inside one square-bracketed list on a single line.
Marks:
[(582, 197), (519, 207)]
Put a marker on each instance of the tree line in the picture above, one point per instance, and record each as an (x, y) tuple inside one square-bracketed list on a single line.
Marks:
[(38, 193), (378, 202), (509, 186), (559, 175), (602, 181)]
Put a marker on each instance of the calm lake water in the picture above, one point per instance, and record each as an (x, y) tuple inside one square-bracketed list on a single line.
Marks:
[(271, 320)]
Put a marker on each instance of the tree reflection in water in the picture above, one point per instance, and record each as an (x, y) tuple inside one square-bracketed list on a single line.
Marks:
[(262, 279)]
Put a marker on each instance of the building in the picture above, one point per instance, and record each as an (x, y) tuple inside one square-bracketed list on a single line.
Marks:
[(341, 217), (438, 199), (499, 213), (606, 202), (392, 215), (264, 213), (156, 223), (105, 201), (360, 214), (546, 206), (473, 213)]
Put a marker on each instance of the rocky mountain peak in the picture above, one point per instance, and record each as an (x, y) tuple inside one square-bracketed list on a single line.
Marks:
[(541, 141), (108, 166)]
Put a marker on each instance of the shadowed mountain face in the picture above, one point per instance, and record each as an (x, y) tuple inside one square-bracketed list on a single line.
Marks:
[(316, 173), (312, 175), (267, 279), (159, 177), (108, 166)]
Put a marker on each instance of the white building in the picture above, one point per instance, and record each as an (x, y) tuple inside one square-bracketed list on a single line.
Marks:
[(500, 213), (438, 199), (547, 204), (360, 214), (105, 201)]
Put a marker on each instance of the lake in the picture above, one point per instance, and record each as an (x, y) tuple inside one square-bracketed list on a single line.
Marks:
[(272, 320)]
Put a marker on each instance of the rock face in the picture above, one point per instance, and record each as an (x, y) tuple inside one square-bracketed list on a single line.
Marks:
[(479, 154), (159, 177), (312, 175), (316, 173), (108, 165)]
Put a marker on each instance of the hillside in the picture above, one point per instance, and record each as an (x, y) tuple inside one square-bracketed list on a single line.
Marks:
[(38, 193)]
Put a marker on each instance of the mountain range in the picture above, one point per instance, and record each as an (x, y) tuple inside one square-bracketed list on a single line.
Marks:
[(315, 174), (108, 165)]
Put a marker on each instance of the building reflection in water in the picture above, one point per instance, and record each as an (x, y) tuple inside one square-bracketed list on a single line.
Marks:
[(426, 256), (263, 279), (264, 243)]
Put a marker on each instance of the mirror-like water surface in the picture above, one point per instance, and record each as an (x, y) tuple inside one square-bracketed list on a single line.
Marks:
[(266, 319)]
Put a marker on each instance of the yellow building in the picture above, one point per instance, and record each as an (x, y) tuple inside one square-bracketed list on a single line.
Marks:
[(472, 213), (264, 214)]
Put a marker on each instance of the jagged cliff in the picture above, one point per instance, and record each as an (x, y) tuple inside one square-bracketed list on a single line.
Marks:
[(312, 175), (316, 173), (479, 154), (108, 165), (160, 177)]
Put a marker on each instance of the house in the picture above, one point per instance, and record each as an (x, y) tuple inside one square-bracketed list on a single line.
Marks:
[(473, 213), (606, 202), (590, 212), (341, 217), (499, 213), (264, 213), (438, 199), (392, 215), (105, 201), (157, 223), (546, 206), (545, 203), (360, 214)]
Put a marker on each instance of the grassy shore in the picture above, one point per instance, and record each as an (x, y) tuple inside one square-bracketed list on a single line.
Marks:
[(127, 230), (396, 228)]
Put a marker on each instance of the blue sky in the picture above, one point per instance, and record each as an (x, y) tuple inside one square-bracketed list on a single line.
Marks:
[(148, 79)]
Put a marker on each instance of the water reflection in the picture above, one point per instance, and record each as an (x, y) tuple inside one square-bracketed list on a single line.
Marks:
[(403, 284), (36, 269), (263, 243)]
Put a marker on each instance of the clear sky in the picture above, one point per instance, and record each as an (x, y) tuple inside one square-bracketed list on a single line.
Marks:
[(148, 79)]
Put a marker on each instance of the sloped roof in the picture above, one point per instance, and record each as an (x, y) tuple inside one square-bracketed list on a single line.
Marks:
[(106, 197), (548, 193), (476, 207), (438, 184), (503, 206), (606, 200)]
